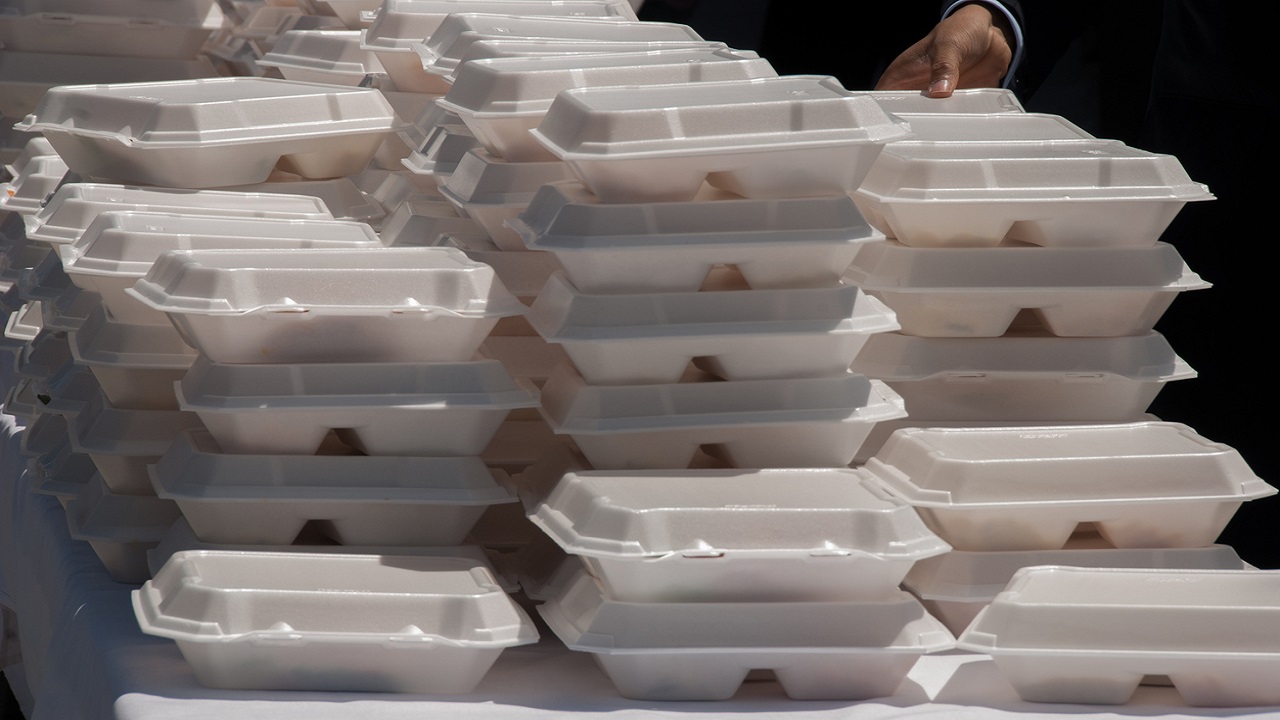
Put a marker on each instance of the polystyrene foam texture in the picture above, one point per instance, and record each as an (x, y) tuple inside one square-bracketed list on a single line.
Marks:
[(414, 624), (122, 443), (703, 651), (120, 528), (140, 28), (977, 292), (492, 191), (795, 136), (40, 177), (1022, 376), (213, 132), (502, 100), (1051, 193), (471, 46), (963, 100), (1080, 635), (377, 305), (736, 334), (380, 408), (136, 364), (793, 422), (323, 56), (422, 221), (523, 273), (1147, 484), (671, 246)]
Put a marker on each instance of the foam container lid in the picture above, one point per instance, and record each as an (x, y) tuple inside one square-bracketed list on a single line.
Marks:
[(946, 467), (482, 178), (102, 429), (74, 206), (212, 111), (474, 46), (726, 117), (195, 468), (37, 146), (25, 193), (422, 221), (344, 200), (963, 100), (336, 54), (46, 355), (102, 341), (25, 323), (403, 280), (527, 85), (402, 22), (713, 513), (350, 11), (995, 127), (444, 49), (96, 513)]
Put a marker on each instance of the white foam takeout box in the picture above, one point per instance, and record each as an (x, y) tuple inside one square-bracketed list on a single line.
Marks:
[(122, 443), (1146, 484), (730, 535), (332, 622), (491, 191), (136, 365), (672, 246), (1089, 635), (1023, 375), (379, 408), (352, 305), (793, 136), (501, 100), (212, 132), (120, 528), (733, 334), (703, 651), (161, 29), (776, 423), (977, 292), (471, 46), (357, 499), (322, 56)]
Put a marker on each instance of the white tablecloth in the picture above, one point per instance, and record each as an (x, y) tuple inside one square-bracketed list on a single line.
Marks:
[(84, 657)]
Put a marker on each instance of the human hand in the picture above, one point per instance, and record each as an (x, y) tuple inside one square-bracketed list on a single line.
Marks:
[(970, 48)]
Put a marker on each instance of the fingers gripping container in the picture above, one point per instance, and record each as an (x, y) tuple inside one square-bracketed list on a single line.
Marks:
[(117, 249), (492, 191), (75, 206), (1080, 635), (735, 536), (353, 305), (120, 528), (1061, 193), (1149, 484), (805, 422), (977, 292), (954, 587), (213, 132), (734, 334), (1023, 375), (322, 56), (703, 651), (401, 23), (796, 136), (137, 365), (378, 408), (442, 52), (122, 443), (297, 621), (267, 499), (671, 246), (502, 100)]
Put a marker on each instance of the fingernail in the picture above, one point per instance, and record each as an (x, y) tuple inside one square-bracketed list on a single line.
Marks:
[(940, 87)]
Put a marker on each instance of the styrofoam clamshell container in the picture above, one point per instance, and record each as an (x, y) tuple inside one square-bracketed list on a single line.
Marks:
[(323, 56), (45, 356), (523, 273), (267, 24), (22, 401), (954, 587), (983, 101), (735, 536), (780, 423), (1149, 484), (140, 28), (26, 192), (401, 23), (75, 206), (341, 196), (45, 437), (794, 136), (977, 292), (120, 528), (213, 132), (26, 76), (36, 147), (180, 537), (379, 408), (136, 365), (357, 499), (23, 325), (21, 254), (491, 191), (429, 118), (122, 443), (351, 305), (1023, 375), (994, 127), (440, 153), (502, 100), (736, 335), (64, 478), (1089, 635), (423, 221), (332, 622), (351, 12), (401, 185), (471, 46), (1054, 193), (524, 356), (65, 394), (443, 51), (118, 248), (703, 651)]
